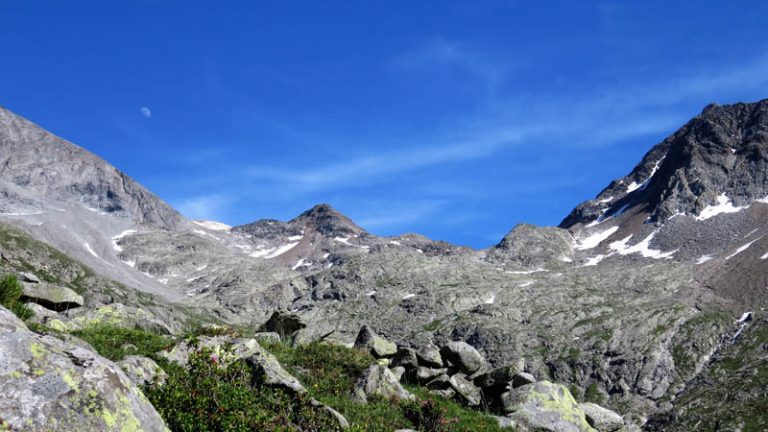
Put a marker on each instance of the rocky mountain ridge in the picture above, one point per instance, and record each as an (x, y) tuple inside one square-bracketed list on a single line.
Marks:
[(629, 298)]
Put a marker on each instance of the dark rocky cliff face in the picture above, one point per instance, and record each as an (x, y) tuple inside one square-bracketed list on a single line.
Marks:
[(720, 154)]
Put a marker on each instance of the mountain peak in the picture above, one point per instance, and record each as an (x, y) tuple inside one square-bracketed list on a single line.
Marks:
[(723, 152), (327, 221)]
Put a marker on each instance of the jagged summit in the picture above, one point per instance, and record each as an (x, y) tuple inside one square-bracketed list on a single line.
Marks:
[(322, 218), (327, 221), (719, 158)]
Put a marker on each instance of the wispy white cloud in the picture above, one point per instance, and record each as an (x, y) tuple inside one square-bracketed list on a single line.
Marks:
[(206, 207)]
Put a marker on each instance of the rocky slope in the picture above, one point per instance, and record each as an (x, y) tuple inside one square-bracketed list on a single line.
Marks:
[(628, 301)]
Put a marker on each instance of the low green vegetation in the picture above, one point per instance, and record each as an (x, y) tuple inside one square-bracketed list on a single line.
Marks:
[(10, 297), (115, 342), (206, 397)]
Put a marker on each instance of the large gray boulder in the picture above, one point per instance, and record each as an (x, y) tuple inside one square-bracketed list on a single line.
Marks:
[(405, 357), (114, 314), (53, 297), (142, 370), (463, 356), (544, 406), (602, 419), (429, 356), (378, 380), (285, 324), (49, 385), (379, 347), (469, 394)]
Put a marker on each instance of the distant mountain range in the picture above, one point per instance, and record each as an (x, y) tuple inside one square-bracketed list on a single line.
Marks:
[(639, 295)]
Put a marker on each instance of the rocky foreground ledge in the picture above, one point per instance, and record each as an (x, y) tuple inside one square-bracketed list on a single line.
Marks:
[(60, 383)]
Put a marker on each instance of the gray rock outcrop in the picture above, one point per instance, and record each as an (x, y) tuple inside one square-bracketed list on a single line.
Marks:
[(50, 385)]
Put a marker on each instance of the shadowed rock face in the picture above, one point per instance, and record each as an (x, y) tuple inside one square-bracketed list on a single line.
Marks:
[(724, 150)]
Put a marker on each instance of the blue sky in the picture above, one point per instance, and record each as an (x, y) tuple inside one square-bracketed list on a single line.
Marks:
[(453, 119)]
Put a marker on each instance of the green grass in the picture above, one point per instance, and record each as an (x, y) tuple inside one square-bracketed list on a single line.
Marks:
[(115, 342), (10, 297), (329, 372)]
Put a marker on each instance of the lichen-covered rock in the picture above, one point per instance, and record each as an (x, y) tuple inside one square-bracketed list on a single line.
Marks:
[(341, 421), (464, 356), (544, 406), (425, 374), (142, 370), (53, 297), (268, 371), (398, 372), (225, 348), (379, 347), (405, 357), (602, 419), (115, 314), (470, 394), (49, 385), (429, 356), (378, 380)]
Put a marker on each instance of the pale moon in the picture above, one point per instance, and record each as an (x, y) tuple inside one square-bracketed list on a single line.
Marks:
[(146, 112)]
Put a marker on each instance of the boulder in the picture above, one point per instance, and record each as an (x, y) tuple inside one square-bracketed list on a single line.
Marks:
[(115, 314), (463, 356), (405, 357), (267, 336), (398, 372), (50, 385), (28, 277), (429, 356), (544, 406), (268, 371), (341, 421), (602, 419), (521, 379), (226, 348), (53, 297), (440, 382), (42, 314), (285, 324), (497, 380), (506, 423), (379, 347), (142, 370), (425, 374), (378, 380), (470, 394)]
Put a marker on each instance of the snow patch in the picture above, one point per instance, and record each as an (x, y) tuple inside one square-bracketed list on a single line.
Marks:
[(644, 184), (395, 242), (90, 250), (407, 296), (326, 255), (606, 200), (745, 317), (742, 248), (203, 233), (525, 284), (765, 256), (281, 250), (344, 240), (370, 293), (595, 239), (593, 261), (704, 258), (262, 252), (565, 259), (295, 238), (751, 232), (724, 205), (301, 263), (119, 237), (643, 248), (491, 300), (213, 225)]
